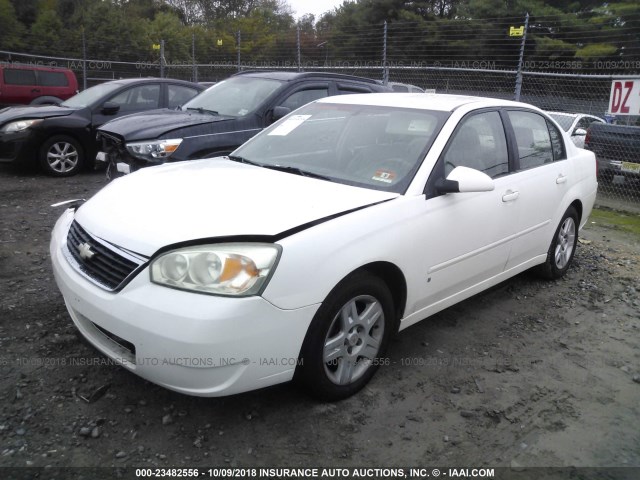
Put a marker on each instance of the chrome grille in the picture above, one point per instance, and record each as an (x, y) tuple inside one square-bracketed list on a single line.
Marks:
[(101, 262)]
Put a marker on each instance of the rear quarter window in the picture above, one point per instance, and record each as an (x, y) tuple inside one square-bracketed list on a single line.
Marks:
[(52, 79)]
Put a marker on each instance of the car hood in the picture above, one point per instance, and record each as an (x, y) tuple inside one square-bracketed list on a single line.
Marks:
[(156, 123), (45, 111), (172, 203)]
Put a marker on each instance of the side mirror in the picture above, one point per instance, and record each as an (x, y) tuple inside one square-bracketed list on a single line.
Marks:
[(465, 179), (579, 132), (279, 112), (110, 108)]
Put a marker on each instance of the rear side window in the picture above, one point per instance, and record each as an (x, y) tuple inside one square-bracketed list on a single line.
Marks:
[(17, 76), (557, 144), (52, 79), (532, 138)]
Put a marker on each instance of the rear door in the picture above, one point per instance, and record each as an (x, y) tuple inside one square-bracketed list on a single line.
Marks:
[(54, 83), (542, 179)]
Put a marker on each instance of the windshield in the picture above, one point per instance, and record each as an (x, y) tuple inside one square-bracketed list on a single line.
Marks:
[(234, 97), (90, 95), (367, 146), (565, 121)]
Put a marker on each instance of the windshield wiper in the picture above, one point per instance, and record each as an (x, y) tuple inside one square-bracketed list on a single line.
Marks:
[(298, 171), (236, 158), (204, 110)]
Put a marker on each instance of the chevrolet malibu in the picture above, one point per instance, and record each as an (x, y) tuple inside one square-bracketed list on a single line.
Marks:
[(298, 256)]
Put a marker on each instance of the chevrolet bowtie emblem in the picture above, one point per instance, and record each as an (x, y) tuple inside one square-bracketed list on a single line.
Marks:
[(84, 249)]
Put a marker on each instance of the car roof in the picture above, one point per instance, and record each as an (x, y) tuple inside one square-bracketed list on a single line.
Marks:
[(289, 76), (427, 101), (567, 114), (130, 81)]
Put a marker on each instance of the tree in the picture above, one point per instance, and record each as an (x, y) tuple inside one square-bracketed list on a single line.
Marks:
[(11, 31)]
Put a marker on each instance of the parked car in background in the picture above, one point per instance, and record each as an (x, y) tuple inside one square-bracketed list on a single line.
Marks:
[(575, 124), (303, 252), (404, 87), (617, 148), (218, 121), (61, 138), (35, 85)]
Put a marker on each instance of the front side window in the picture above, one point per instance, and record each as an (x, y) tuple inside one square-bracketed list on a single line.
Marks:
[(18, 76), (532, 139), (479, 143), (142, 97)]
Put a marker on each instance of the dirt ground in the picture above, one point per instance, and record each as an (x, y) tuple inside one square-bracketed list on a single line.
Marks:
[(530, 373)]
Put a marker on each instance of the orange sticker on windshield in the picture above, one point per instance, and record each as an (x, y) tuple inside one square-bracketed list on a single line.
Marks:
[(385, 176)]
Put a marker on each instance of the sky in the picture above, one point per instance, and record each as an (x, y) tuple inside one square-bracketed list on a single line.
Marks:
[(317, 7)]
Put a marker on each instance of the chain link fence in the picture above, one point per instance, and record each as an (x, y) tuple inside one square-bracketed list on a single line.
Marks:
[(409, 53)]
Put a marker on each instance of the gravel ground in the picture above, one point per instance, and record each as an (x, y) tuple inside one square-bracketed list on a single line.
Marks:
[(530, 373)]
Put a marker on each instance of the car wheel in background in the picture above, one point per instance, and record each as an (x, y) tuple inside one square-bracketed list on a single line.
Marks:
[(61, 156), (563, 246), (347, 337)]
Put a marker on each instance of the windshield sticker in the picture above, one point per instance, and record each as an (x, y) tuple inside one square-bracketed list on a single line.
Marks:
[(289, 125), (385, 176)]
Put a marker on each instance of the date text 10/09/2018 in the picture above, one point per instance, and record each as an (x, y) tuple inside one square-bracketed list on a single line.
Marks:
[(342, 473)]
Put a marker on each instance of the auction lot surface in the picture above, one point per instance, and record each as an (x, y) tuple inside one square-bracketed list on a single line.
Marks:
[(531, 373)]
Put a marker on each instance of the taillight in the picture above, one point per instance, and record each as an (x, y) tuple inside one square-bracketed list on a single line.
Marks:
[(587, 137)]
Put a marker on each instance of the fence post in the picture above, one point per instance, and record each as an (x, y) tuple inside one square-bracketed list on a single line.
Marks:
[(385, 70), (239, 38), (521, 60), (194, 73), (84, 61), (298, 47), (161, 58)]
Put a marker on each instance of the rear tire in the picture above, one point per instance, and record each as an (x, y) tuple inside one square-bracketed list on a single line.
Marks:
[(347, 337), (563, 247)]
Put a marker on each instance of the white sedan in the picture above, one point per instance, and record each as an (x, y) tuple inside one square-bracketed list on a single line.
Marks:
[(302, 253), (575, 124)]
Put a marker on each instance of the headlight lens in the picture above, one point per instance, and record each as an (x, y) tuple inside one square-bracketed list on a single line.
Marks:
[(20, 125), (234, 269), (154, 149)]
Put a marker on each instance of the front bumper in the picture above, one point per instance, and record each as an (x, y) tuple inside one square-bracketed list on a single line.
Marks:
[(19, 147), (196, 344)]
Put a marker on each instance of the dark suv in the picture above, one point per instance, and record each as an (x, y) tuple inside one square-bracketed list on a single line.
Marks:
[(220, 119)]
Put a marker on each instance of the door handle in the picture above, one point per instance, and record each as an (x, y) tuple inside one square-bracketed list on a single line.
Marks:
[(561, 179), (510, 196), (35, 90)]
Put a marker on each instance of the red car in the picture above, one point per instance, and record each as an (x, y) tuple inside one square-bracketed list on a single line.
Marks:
[(36, 85)]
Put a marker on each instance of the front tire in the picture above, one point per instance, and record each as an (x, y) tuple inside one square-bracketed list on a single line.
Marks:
[(563, 247), (347, 337), (61, 156)]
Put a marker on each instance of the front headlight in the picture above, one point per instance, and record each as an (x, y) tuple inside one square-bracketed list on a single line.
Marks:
[(234, 269), (154, 149), (20, 125)]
